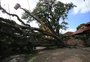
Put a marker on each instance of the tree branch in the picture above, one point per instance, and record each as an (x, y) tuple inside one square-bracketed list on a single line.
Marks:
[(4, 11), (31, 15), (47, 22)]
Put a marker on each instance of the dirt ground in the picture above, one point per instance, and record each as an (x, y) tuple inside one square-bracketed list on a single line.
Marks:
[(63, 55)]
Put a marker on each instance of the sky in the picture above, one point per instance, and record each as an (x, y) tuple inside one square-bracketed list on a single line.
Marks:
[(77, 16)]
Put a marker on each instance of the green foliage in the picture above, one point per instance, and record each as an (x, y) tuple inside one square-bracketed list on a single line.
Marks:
[(14, 39), (50, 13), (27, 17), (80, 26)]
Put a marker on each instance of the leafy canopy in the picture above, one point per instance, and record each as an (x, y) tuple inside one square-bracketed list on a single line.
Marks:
[(49, 13)]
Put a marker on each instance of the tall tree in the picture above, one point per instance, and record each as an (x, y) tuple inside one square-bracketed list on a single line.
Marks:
[(48, 14)]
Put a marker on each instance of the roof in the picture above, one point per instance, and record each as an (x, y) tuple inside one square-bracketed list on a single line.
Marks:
[(87, 24), (69, 33), (83, 29)]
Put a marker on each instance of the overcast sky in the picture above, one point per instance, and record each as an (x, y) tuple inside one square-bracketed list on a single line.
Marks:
[(78, 15)]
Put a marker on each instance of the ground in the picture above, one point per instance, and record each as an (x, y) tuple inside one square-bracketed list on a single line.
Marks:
[(63, 55)]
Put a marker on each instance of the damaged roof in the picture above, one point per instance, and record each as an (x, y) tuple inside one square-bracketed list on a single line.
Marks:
[(84, 29)]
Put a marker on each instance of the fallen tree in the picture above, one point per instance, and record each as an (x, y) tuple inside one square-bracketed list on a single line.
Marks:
[(15, 38)]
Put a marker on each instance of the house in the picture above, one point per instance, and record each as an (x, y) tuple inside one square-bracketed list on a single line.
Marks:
[(81, 37), (69, 33), (85, 32), (85, 29)]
